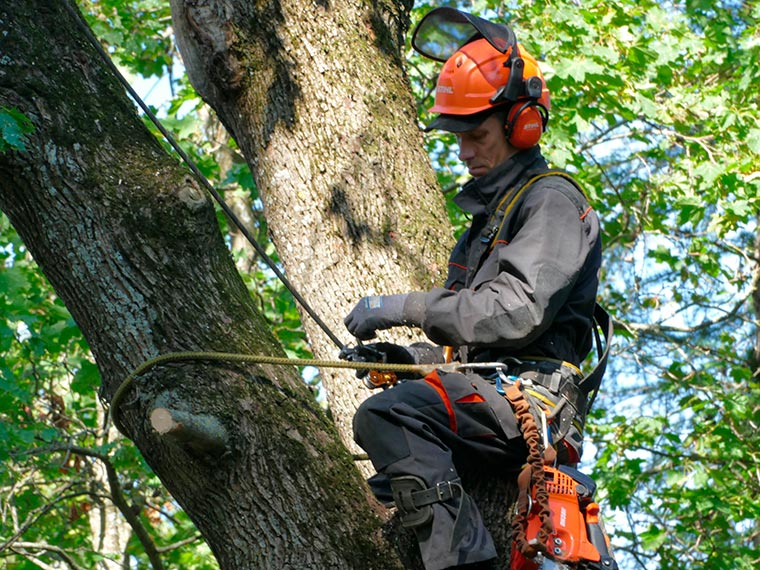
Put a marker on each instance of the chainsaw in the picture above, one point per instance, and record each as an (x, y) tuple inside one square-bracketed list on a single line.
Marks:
[(579, 540)]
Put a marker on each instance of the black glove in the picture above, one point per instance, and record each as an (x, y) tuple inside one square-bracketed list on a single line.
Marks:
[(393, 353), (380, 353), (383, 312), (416, 353), (362, 353)]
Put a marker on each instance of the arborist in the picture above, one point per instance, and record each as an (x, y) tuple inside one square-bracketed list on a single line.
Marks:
[(521, 291)]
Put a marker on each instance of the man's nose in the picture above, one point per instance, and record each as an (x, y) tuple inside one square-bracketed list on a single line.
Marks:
[(465, 152)]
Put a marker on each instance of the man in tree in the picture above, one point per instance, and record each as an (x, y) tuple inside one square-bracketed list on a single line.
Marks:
[(520, 291)]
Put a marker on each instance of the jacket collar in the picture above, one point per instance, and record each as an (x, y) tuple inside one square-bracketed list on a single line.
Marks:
[(481, 195)]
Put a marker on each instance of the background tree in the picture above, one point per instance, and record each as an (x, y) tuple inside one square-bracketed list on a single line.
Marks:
[(655, 109)]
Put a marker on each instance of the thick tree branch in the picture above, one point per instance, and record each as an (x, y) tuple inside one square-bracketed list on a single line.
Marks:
[(202, 435)]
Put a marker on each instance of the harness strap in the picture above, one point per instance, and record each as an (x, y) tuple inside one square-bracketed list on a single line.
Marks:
[(510, 201), (593, 380)]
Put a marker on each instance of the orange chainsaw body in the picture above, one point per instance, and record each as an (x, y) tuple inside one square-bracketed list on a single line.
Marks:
[(569, 544)]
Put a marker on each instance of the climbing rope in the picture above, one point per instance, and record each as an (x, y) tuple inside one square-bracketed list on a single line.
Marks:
[(116, 401), (204, 181)]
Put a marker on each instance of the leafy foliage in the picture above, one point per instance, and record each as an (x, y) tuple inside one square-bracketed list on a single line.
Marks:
[(654, 109), (52, 444), (13, 126)]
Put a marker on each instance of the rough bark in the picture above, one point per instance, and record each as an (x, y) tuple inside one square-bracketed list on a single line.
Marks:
[(316, 98), (130, 243)]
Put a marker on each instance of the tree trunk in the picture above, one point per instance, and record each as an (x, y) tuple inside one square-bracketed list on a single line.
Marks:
[(316, 98), (130, 243)]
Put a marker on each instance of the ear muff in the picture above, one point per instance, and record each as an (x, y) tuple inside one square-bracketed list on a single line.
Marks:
[(525, 124)]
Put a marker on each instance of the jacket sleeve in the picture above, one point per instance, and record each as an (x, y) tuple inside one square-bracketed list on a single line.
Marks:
[(525, 280)]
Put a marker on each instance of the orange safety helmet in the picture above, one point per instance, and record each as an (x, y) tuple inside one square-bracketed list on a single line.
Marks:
[(487, 72)]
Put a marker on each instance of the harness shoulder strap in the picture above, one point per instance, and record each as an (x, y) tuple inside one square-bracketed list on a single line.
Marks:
[(508, 203), (591, 383)]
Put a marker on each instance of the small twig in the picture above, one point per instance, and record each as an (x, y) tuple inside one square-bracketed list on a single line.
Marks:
[(180, 543), (117, 497), (37, 514), (50, 548)]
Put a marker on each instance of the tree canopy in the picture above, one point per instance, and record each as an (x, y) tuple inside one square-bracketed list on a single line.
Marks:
[(654, 110)]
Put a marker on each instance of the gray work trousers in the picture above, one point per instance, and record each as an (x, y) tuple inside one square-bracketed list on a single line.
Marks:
[(428, 427)]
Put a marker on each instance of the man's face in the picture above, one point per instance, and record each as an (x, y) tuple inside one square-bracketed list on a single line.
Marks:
[(485, 146)]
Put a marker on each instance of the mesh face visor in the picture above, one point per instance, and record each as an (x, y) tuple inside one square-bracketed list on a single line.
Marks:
[(443, 31)]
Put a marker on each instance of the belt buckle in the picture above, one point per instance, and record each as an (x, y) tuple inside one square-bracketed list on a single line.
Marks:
[(441, 488)]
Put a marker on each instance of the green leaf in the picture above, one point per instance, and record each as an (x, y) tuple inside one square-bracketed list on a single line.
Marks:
[(86, 379), (14, 126), (653, 538), (753, 140)]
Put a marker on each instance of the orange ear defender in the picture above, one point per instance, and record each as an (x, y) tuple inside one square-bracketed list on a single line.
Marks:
[(525, 124)]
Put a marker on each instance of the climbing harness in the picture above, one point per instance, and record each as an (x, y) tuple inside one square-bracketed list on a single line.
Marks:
[(556, 523), (491, 233)]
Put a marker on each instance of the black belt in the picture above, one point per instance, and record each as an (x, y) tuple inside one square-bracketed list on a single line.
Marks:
[(560, 379), (517, 366)]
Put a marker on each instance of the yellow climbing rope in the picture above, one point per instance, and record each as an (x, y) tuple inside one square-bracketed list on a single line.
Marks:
[(421, 369)]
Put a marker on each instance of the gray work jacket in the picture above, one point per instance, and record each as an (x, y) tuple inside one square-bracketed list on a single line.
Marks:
[(531, 290)]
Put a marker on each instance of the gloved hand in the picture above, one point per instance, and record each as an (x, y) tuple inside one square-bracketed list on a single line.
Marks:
[(387, 352), (383, 312), (380, 353), (393, 353)]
